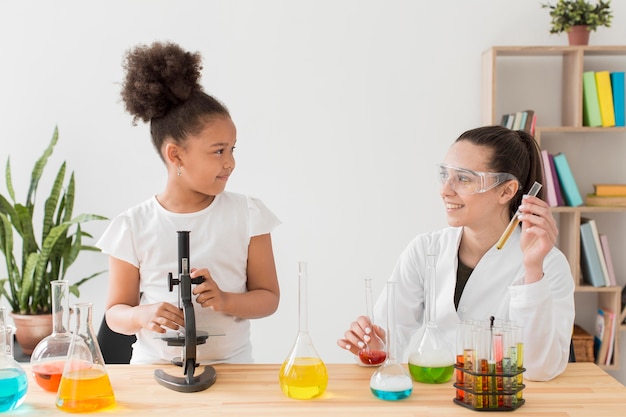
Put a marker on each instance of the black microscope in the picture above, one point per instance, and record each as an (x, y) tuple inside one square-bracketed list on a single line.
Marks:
[(191, 338)]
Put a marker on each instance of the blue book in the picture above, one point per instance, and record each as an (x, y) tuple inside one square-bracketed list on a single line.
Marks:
[(566, 180), (590, 261), (617, 85)]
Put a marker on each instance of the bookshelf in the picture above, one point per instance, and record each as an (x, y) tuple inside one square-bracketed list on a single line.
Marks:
[(548, 80)]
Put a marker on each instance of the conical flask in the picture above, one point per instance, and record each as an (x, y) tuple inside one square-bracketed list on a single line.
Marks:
[(391, 381), (432, 360), (48, 358), (374, 352), (85, 384), (303, 375), (13, 379)]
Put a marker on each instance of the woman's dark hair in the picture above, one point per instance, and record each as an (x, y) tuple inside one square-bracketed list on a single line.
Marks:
[(162, 87), (515, 152)]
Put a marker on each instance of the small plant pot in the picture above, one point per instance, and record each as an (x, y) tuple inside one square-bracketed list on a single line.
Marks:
[(31, 329), (578, 35)]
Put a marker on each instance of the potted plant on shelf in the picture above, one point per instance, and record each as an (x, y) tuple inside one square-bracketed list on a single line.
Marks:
[(578, 18), (31, 267)]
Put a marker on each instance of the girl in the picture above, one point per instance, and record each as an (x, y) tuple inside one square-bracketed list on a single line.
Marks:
[(229, 233), (484, 177)]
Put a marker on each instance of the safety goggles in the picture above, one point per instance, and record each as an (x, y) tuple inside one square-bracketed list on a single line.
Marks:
[(465, 181)]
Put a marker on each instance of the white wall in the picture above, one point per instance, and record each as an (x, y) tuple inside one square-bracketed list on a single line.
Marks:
[(342, 109)]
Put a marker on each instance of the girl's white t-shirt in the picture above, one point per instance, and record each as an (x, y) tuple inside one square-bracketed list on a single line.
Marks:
[(146, 237)]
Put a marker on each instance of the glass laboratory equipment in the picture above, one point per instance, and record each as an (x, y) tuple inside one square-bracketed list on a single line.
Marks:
[(85, 384), (391, 381), (13, 379), (48, 357), (303, 375), (374, 352), (432, 360)]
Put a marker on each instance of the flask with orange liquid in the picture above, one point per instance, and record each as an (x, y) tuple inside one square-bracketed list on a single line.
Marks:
[(303, 375), (85, 384)]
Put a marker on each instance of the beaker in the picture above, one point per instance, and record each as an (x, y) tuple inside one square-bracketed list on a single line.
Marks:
[(48, 358), (85, 384), (432, 360), (391, 381), (303, 375), (374, 352), (13, 380)]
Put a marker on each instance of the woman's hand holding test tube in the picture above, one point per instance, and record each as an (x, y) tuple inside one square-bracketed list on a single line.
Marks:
[(534, 190)]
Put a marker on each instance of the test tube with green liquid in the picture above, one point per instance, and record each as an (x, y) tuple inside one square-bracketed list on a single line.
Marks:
[(534, 190)]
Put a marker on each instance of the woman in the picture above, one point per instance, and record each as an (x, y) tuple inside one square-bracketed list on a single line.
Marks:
[(484, 178)]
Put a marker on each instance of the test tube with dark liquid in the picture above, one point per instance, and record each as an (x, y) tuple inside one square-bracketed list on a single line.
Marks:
[(534, 190)]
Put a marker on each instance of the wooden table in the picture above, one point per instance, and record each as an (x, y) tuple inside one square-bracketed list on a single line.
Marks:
[(252, 390)]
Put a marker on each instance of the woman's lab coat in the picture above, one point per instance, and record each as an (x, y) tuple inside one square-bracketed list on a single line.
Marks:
[(495, 288)]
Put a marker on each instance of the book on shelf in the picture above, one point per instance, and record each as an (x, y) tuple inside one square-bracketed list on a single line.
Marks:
[(611, 326), (548, 180), (531, 122), (606, 251), (610, 189), (517, 122), (567, 181), (617, 87), (591, 106), (604, 336), (605, 201), (598, 246), (590, 256), (555, 180), (605, 98)]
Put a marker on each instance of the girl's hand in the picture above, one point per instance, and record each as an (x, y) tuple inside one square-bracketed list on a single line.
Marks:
[(208, 293), (159, 317), (539, 233), (357, 336)]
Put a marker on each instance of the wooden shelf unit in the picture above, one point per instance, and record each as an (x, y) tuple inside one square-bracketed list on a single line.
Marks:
[(568, 122)]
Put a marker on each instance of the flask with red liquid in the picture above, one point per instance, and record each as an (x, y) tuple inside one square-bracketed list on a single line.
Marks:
[(48, 357), (374, 352)]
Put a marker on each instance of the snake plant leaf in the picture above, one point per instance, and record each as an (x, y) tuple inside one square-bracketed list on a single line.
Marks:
[(8, 179), (74, 287), (39, 166), (52, 201), (28, 278)]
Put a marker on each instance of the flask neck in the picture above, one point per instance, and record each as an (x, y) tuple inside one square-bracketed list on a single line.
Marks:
[(430, 315), (60, 307), (303, 319), (391, 323)]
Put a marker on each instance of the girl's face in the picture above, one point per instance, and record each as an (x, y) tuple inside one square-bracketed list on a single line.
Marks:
[(478, 210), (206, 159)]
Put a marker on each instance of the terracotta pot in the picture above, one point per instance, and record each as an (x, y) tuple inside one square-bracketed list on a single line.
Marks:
[(31, 329), (578, 35)]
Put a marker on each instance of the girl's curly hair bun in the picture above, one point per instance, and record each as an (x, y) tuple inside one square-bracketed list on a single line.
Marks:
[(158, 78)]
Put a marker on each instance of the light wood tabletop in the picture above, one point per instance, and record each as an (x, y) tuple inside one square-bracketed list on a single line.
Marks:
[(583, 390)]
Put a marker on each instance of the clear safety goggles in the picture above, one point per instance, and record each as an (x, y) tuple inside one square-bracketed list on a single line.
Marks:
[(465, 181)]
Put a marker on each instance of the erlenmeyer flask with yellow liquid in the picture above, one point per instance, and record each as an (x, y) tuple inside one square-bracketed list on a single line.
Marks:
[(85, 384), (303, 375)]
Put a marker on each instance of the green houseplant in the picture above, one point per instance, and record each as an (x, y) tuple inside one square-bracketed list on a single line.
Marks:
[(31, 267), (574, 16)]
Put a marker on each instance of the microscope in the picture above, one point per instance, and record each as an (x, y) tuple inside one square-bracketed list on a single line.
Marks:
[(191, 338)]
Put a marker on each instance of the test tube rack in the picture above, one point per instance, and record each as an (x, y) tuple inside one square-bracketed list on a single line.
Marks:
[(506, 396)]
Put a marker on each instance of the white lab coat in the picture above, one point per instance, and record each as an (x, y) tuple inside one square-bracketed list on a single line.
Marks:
[(495, 288)]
